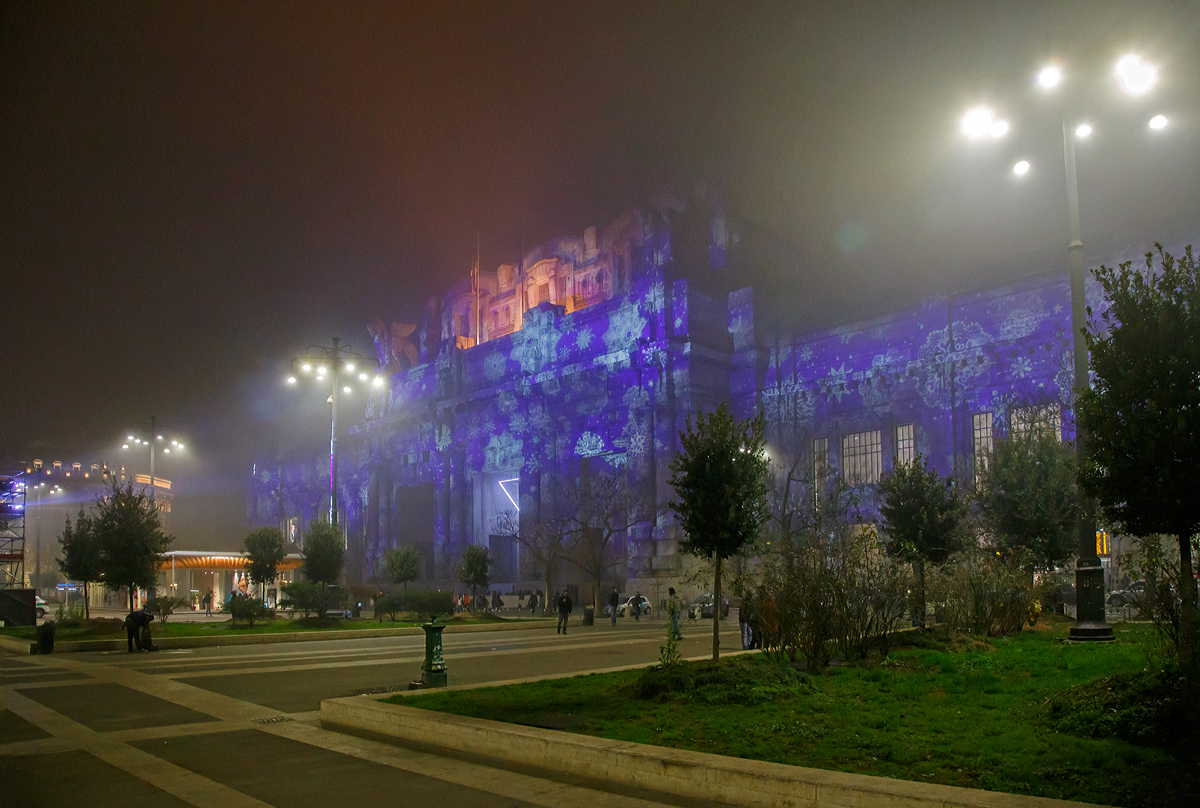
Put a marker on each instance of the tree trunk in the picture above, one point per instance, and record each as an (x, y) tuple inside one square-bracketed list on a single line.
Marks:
[(546, 602), (717, 610), (921, 592), (87, 607), (132, 595), (1187, 609)]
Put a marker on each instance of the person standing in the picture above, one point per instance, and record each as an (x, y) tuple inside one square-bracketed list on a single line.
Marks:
[(637, 606), (564, 611), (614, 600), (675, 609), (744, 610), (208, 603)]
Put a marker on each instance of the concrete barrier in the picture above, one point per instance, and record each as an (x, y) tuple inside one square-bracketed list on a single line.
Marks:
[(118, 644), (694, 775)]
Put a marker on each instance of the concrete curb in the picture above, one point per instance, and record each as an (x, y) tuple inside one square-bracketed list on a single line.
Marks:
[(70, 646), (695, 775)]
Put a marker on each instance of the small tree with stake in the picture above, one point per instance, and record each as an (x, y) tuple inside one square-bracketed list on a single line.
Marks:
[(81, 555), (265, 550), (130, 537), (402, 566), (922, 519), (1142, 413), (472, 569), (720, 477)]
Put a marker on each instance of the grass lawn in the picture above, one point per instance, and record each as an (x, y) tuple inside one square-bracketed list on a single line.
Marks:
[(965, 713), (103, 629)]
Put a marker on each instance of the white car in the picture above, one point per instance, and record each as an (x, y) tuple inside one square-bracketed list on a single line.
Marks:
[(626, 608), (41, 606)]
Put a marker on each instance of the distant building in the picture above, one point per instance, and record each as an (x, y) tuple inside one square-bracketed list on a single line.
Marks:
[(593, 351)]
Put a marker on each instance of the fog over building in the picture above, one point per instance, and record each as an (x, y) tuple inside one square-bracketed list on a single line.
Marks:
[(589, 354)]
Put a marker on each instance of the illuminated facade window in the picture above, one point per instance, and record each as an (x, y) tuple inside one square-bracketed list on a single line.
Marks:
[(862, 457), (906, 444), (543, 292), (1024, 419), (982, 441)]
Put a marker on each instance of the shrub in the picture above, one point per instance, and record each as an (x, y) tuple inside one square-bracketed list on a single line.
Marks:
[(389, 604), (837, 591), (430, 602), (163, 606), (984, 593), (305, 597), (248, 609)]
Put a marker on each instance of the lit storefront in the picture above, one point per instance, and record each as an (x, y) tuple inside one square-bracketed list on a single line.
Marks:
[(189, 574)]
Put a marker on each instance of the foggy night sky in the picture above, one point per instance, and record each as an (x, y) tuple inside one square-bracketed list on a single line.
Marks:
[(191, 193)]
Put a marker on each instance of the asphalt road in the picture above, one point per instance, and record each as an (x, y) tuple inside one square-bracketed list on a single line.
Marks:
[(236, 726)]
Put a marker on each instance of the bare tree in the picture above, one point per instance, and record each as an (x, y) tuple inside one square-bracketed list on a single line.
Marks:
[(600, 508), (543, 542)]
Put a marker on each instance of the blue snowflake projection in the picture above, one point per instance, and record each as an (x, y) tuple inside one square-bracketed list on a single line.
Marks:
[(589, 445), (1024, 317)]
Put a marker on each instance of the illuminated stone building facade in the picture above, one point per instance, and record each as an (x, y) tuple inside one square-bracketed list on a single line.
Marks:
[(594, 350)]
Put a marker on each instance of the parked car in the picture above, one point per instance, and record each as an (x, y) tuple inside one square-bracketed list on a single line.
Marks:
[(1129, 596), (41, 606), (626, 608), (702, 607)]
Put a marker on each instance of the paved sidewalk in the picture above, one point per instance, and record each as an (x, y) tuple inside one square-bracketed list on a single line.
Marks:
[(237, 726)]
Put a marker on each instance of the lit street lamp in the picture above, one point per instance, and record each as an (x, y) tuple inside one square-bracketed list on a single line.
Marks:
[(1136, 77), (151, 440), (340, 364)]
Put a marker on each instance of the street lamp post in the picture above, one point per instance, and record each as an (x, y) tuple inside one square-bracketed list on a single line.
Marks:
[(335, 360), (1137, 77), (152, 442)]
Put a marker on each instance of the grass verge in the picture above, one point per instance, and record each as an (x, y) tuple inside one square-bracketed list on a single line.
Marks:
[(963, 712)]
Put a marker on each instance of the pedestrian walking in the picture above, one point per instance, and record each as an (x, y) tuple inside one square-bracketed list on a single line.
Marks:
[(744, 611), (674, 609), (134, 623), (614, 600), (564, 611), (497, 603), (208, 603), (637, 606)]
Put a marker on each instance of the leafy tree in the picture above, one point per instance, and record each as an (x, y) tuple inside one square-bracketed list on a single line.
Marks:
[(81, 555), (402, 565), (323, 554), (720, 477), (922, 517), (545, 543), (472, 569), (1027, 494), (1142, 412), (264, 549), (599, 509), (130, 537)]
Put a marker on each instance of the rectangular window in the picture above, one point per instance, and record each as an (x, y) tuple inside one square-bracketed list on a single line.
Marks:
[(981, 437), (1024, 419), (543, 292), (862, 457), (906, 444)]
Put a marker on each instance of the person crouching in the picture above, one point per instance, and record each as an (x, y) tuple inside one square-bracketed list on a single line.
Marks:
[(137, 630)]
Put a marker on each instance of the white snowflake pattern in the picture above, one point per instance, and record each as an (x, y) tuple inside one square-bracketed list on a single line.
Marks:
[(624, 326), (589, 445), (583, 338), (1022, 367), (518, 423), (495, 367)]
